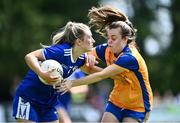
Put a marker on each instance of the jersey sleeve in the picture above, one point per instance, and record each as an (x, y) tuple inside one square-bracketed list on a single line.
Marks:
[(128, 61), (53, 52)]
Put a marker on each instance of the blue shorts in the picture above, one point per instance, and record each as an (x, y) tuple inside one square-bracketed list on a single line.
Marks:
[(25, 110), (121, 113)]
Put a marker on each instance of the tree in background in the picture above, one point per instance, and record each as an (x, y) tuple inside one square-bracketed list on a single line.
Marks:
[(173, 55)]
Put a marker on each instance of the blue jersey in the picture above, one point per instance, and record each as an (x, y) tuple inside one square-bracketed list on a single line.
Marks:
[(33, 90)]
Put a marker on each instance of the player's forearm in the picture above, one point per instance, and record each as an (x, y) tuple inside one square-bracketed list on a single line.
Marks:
[(88, 79), (33, 63), (98, 69)]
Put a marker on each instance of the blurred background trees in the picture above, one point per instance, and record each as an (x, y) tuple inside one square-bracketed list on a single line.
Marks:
[(24, 24)]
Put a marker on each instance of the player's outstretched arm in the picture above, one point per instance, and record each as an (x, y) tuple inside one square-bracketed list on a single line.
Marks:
[(108, 72)]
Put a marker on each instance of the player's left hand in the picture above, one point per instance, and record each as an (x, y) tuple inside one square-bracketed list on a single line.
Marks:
[(63, 86)]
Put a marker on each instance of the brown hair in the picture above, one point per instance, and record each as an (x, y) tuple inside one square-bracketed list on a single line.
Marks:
[(106, 17)]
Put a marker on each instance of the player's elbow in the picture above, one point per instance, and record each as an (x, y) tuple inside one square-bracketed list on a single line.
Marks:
[(27, 57)]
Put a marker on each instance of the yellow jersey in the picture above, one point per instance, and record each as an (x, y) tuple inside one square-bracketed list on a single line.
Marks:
[(133, 90)]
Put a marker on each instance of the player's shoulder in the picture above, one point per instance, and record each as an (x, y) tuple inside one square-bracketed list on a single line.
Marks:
[(102, 46)]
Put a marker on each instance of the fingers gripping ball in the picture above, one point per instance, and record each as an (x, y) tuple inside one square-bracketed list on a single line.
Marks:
[(51, 65)]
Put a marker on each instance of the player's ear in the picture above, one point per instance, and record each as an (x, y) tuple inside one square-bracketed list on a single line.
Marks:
[(125, 38), (78, 42)]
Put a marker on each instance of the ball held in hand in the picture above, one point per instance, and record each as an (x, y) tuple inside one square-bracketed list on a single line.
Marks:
[(50, 64)]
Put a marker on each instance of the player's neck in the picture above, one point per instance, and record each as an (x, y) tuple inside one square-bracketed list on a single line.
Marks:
[(76, 52)]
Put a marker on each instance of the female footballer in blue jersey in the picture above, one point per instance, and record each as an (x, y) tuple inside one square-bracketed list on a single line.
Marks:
[(131, 98), (34, 101)]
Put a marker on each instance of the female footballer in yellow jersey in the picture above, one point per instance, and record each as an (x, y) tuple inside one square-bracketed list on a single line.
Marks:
[(131, 97)]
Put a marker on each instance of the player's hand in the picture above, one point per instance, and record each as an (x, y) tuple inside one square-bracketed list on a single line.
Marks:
[(91, 60), (63, 86), (49, 78)]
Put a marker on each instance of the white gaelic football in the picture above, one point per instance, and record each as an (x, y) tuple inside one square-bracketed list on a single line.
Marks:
[(49, 65)]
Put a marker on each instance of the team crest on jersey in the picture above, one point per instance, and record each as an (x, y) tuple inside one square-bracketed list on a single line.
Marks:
[(23, 109), (72, 68)]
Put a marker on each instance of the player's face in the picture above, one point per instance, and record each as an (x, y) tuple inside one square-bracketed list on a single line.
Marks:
[(87, 42), (115, 41)]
